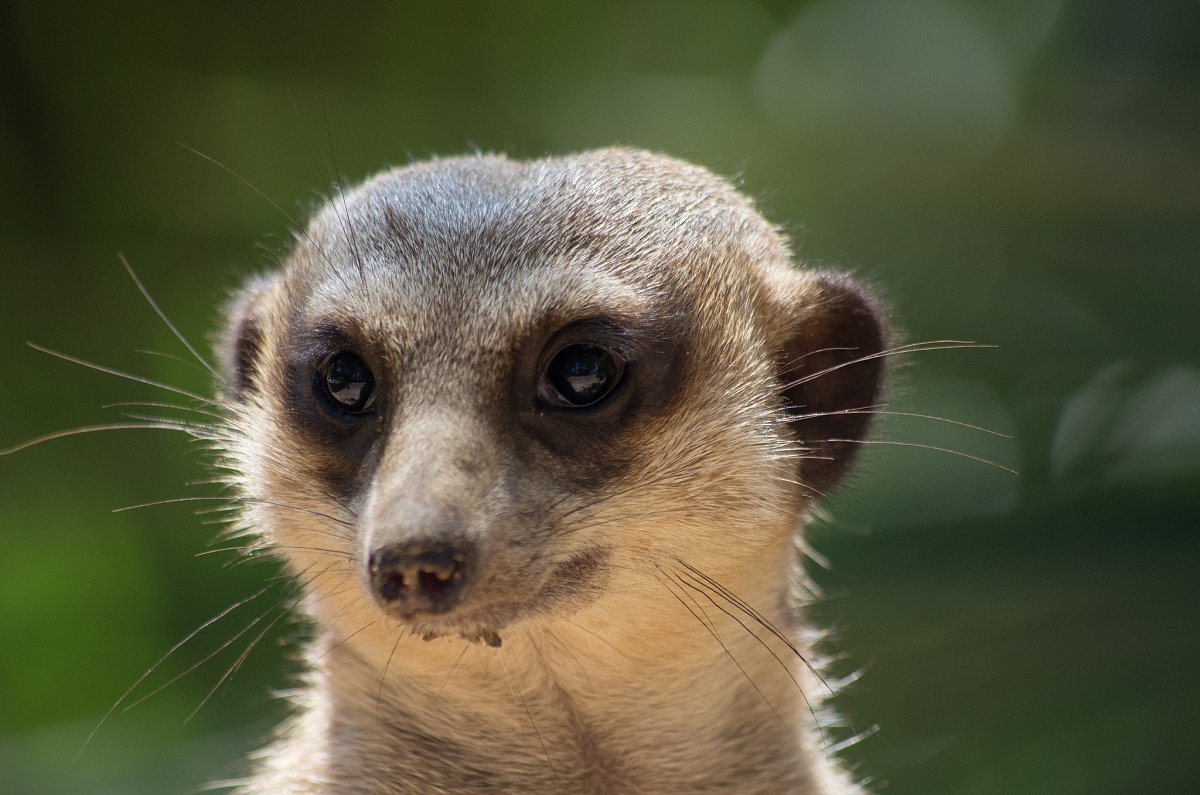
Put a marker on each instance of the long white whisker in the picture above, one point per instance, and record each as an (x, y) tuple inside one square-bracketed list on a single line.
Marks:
[(163, 659), (121, 374), (160, 405), (224, 645), (344, 216), (916, 347), (197, 429), (116, 426), (250, 500), (237, 663), (298, 232), (892, 443), (871, 410), (163, 316)]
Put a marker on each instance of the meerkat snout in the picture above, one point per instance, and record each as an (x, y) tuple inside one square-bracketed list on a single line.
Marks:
[(423, 576)]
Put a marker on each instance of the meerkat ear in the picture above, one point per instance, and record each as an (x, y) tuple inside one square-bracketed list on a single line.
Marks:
[(241, 341), (828, 332)]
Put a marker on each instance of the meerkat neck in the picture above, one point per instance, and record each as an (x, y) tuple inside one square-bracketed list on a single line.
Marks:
[(616, 698)]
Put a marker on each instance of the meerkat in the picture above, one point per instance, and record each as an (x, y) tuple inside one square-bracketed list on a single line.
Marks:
[(537, 439)]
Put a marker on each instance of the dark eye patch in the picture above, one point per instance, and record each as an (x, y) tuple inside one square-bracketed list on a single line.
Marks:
[(582, 387), (336, 393)]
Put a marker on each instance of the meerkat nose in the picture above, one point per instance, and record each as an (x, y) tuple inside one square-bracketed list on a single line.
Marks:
[(422, 576)]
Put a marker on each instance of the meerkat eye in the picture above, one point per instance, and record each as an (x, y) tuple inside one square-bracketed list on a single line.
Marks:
[(347, 382), (581, 375)]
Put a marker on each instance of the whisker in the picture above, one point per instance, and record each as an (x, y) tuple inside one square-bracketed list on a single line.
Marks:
[(765, 645), (261, 194), (598, 637), (309, 511), (871, 410), (345, 215), (518, 695), (893, 443), (224, 645), (332, 648), (233, 506), (383, 676), (796, 360), (568, 528), (164, 657), (341, 553), (171, 357), (298, 232), (115, 426), (237, 499), (159, 405), (916, 347), (700, 587), (334, 533), (174, 500), (219, 480), (121, 374), (162, 316), (453, 667), (237, 663), (812, 490), (200, 431), (350, 586), (326, 174), (218, 550), (762, 620), (208, 656), (706, 622)]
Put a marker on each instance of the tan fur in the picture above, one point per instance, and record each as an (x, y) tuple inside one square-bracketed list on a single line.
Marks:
[(623, 665)]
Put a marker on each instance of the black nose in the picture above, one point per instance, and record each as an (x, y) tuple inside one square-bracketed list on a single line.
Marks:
[(420, 576)]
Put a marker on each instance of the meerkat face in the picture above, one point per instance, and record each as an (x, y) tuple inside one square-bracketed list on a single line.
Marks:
[(482, 390)]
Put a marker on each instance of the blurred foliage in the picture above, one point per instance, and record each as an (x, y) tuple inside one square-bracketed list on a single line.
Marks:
[(1025, 174)]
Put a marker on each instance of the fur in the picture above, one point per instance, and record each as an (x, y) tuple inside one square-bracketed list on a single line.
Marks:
[(635, 561)]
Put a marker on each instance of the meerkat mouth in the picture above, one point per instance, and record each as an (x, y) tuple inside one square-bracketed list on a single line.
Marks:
[(472, 631), (485, 635), (566, 586)]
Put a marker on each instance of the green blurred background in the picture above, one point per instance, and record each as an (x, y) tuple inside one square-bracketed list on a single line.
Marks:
[(1025, 174)]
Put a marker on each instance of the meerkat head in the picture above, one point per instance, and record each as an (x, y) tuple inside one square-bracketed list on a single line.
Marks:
[(482, 390)]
